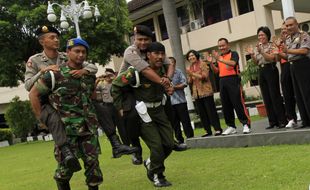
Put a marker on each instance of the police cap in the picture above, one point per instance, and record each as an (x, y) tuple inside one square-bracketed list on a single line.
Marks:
[(156, 46), (46, 29), (76, 42), (143, 30)]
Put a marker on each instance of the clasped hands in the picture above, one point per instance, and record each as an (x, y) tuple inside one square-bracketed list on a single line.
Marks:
[(75, 73)]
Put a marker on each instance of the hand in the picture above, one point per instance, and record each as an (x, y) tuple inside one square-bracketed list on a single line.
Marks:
[(121, 112), (188, 71), (165, 82), (259, 47), (249, 50), (78, 73), (208, 57), (170, 90), (276, 41), (215, 55), (50, 68)]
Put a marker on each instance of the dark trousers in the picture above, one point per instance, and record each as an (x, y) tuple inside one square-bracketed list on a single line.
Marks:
[(208, 114), (270, 89), (51, 118), (301, 81), (180, 114), (231, 98), (109, 119), (132, 124), (288, 91), (158, 136)]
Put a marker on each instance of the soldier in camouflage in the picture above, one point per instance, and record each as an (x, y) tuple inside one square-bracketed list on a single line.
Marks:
[(156, 130), (71, 98), (50, 59)]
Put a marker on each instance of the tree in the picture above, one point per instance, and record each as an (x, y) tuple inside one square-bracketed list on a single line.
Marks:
[(19, 20), (20, 117)]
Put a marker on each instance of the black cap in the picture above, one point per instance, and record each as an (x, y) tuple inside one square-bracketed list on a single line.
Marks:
[(143, 30), (46, 29), (155, 46)]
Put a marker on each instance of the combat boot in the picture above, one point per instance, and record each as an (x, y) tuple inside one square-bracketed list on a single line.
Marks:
[(137, 157), (63, 185), (69, 159), (160, 180), (93, 187), (119, 149)]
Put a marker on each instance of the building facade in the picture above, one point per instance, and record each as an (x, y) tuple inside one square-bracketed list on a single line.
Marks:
[(203, 22)]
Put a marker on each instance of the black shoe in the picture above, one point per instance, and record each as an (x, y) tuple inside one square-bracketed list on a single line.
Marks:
[(270, 127), (69, 159), (160, 181), (147, 164), (281, 126), (136, 159), (93, 187), (179, 147)]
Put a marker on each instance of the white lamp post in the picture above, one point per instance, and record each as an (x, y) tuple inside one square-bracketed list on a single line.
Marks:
[(73, 11)]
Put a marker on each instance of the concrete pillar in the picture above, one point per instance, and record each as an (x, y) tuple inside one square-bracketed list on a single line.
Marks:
[(263, 15), (288, 8)]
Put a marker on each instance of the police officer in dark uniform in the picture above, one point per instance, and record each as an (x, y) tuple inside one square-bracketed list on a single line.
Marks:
[(297, 49), (50, 60), (108, 116)]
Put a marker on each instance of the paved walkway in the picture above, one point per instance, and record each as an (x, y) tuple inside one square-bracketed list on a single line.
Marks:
[(258, 137)]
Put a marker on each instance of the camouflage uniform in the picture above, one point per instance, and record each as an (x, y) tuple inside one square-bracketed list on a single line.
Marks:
[(71, 98), (34, 64), (158, 134)]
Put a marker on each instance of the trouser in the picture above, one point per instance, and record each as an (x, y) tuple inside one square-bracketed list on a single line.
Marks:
[(208, 114), (51, 118), (180, 114), (158, 136), (109, 119), (301, 82), (270, 88), (131, 119), (288, 91), (231, 98), (87, 148)]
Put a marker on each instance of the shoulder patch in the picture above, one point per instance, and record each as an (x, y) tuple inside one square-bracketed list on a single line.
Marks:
[(29, 63)]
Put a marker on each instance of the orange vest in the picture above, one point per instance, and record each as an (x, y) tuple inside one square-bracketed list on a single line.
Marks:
[(226, 70)]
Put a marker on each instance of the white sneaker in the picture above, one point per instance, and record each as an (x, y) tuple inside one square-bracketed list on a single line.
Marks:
[(291, 124), (246, 129), (229, 131)]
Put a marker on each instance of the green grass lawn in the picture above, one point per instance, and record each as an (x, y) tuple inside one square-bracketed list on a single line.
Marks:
[(30, 166)]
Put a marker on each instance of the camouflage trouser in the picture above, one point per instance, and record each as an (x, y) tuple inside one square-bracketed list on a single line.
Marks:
[(87, 148)]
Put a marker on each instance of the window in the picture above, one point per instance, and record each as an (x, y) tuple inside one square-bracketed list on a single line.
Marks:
[(245, 6), (163, 27), (216, 11), (149, 23)]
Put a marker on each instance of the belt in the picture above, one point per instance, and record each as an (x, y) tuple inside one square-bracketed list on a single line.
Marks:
[(152, 104), (299, 60), (266, 64)]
